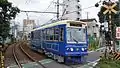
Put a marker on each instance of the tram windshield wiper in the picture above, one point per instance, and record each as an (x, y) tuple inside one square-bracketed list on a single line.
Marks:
[(75, 40)]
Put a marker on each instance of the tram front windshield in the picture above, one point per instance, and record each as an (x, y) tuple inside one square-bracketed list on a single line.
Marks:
[(76, 34)]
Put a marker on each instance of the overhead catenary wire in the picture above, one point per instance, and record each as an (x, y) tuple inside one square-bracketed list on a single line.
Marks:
[(27, 1), (48, 6), (73, 12), (77, 10), (38, 12)]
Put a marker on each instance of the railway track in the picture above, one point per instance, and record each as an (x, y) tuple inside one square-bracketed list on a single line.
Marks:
[(30, 57), (22, 51), (15, 56)]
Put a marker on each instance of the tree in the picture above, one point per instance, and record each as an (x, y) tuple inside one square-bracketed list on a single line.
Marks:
[(7, 12)]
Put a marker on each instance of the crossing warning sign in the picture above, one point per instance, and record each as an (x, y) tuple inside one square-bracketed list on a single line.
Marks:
[(110, 8)]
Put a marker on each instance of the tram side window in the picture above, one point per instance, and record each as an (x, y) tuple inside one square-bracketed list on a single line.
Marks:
[(39, 34), (36, 35), (47, 34), (61, 34), (51, 34), (32, 36), (44, 34), (56, 34)]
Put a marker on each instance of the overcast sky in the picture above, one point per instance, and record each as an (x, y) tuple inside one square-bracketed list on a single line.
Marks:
[(41, 5)]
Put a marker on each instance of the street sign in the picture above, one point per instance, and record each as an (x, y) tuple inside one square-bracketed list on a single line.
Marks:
[(117, 32), (110, 9)]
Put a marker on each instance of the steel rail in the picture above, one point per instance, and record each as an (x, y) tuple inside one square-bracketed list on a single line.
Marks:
[(16, 58), (31, 57)]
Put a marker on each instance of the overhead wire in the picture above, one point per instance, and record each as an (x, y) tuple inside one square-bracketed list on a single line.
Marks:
[(50, 19), (74, 11), (78, 10), (27, 1), (69, 13), (48, 6)]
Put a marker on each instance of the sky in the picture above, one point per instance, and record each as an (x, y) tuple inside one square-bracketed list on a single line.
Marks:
[(41, 5)]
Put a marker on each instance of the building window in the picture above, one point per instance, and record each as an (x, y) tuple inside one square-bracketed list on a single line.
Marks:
[(66, 6), (93, 26), (78, 7), (88, 26), (78, 12), (78, 0), (95, 35), (78, 19), (96, 25), (66, 12)]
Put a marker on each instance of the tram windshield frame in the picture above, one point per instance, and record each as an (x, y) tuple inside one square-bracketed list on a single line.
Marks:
[(76, 35)]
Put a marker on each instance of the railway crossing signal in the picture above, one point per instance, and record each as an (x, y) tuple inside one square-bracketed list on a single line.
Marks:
[(110, 8)]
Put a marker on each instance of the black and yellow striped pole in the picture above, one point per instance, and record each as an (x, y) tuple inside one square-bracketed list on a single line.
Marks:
[(2, 57), (2, 60)]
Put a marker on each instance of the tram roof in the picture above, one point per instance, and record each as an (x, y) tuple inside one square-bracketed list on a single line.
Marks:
[(59, 23)]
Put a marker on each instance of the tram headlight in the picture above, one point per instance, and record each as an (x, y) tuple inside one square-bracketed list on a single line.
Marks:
[(71, 49), (67, 49), (82, 49), (77, 49)]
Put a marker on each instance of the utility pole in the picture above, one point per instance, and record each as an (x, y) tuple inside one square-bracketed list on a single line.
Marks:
[(87, 14), (57, 9)]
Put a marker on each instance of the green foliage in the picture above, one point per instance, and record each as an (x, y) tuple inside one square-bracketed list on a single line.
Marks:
[(108, 63), (94, 43), (6, 14)]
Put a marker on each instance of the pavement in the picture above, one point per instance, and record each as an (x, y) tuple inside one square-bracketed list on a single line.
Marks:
[(92, 59)]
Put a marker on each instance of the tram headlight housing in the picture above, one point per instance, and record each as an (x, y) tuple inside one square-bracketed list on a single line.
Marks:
[(83, 49), (71, 49), (67, 49)]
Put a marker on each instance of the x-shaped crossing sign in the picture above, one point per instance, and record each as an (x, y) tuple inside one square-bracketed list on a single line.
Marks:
[(110, 8)]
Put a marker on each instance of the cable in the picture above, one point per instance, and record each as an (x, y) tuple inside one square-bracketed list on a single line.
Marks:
[(81, 9), (50, 20), (48, 6), (68, 13), (27, 1), (77, 10)]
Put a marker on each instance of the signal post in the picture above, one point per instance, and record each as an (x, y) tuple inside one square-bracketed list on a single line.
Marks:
[(110, 42)]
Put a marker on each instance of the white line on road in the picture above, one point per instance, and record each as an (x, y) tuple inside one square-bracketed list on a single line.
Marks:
[(90, 64), (96, 50)]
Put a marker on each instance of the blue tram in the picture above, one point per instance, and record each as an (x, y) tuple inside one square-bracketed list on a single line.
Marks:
[(65, 41)]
